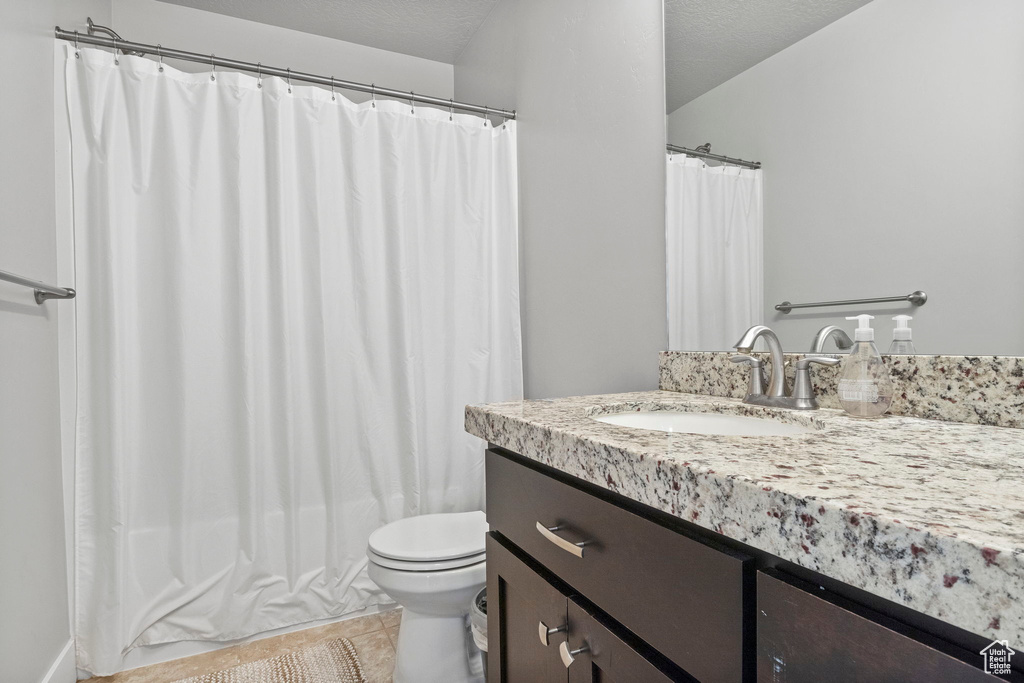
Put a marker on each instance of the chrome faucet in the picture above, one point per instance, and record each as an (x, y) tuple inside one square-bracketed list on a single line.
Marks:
[(777, 387), (802, 397), (843, 340)]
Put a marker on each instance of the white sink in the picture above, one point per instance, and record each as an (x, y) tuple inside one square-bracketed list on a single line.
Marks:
[(704, 423)]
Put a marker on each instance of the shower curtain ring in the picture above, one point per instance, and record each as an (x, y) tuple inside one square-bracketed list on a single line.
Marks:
[(332, 89), (116, 62), (487, 112), (373, 95), (412, 102), (160, 56), (289, 70), (259, 75), (213, 72), (78, 55), (451, 109)]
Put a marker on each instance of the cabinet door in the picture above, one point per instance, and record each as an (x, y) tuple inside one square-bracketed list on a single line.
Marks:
[(596, 655), (521, 608), (807, 635)]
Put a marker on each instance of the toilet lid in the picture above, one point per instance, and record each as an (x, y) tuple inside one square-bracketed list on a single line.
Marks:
[(430, 538)]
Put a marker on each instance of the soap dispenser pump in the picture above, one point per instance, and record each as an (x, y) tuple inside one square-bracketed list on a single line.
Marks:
[(901, 338), (865, 389)]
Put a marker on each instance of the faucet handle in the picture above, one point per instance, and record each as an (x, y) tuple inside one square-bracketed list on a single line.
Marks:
[(757, 381), (803, 390), (805, 363)]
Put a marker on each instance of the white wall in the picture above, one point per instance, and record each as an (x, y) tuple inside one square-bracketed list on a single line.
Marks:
[(587, 81), (149, 21), (891, 143)]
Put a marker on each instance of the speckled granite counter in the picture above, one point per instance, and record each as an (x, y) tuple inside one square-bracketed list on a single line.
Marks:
[(924, 513), (986, 390)]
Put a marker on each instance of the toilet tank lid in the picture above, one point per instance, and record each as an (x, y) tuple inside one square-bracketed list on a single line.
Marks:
[(426, 538)]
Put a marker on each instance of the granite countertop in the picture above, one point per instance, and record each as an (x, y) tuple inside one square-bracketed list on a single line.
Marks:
[(927, 514)]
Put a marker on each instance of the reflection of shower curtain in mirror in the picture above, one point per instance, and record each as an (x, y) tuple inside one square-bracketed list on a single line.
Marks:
[(713, 234), (285, 303)]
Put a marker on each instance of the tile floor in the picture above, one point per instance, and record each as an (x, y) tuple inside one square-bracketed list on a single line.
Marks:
[(374, 637)]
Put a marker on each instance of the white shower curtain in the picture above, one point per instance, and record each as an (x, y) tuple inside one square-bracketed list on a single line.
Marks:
[(284, 302), (713, 234)]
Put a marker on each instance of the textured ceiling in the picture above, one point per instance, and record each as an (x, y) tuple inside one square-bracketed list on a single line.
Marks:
[(707, 42), (432, 29)]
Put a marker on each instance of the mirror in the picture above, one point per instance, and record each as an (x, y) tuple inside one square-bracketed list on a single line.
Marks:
[(891, 141)]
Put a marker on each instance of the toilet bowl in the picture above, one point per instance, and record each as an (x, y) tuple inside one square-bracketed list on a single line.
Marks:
[(432, 565)]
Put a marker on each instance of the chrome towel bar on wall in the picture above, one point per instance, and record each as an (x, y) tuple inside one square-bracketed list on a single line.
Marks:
[(917, 298), (43, 291)]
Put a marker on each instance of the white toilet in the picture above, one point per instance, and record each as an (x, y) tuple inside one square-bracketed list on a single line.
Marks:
[(432, 565)]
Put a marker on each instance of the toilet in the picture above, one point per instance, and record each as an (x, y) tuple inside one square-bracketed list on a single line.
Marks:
[(432, 565)]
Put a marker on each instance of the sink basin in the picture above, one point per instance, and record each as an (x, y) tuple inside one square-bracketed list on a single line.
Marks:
[(704, 423)]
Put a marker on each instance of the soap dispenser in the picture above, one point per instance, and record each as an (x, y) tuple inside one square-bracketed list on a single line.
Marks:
[(901, 342), (865, 389)]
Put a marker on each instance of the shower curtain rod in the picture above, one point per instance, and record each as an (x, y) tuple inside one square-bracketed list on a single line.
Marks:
[(257, 68), (704, 152)]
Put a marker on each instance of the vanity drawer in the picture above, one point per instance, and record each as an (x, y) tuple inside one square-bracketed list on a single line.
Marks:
[(807, 635), (683, 597)]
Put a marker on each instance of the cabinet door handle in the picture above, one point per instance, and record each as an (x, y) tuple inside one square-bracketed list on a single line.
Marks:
[(544, 632), (569, 656), (548, 532)]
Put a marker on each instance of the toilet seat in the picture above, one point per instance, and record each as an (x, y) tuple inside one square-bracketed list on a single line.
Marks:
[(424, 565), (430, 542)]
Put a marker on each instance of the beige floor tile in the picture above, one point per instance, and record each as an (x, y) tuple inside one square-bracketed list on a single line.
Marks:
[(391, 617), (249, 652), (393, 635), (377, 656)]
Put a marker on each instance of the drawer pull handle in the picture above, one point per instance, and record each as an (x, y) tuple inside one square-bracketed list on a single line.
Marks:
[(569, 656), (548, 532), (544, 632)]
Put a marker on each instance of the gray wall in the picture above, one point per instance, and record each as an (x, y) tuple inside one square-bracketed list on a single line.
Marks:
[(149, 21), (587, 81), (891, 143), (34, 623)]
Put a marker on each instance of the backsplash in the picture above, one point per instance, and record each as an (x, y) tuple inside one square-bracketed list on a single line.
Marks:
[(986, 390)]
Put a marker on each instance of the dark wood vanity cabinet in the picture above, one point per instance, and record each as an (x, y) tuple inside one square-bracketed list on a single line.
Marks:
[(545, 635), (633, 594), (605, 657), (806, 634), (519, 604), (682, 597)]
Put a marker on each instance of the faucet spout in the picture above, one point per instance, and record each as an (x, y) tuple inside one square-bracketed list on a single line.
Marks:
[(843, 340), (777, 386)]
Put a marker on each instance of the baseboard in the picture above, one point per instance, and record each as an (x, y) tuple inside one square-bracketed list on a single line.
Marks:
[(63, 668)]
